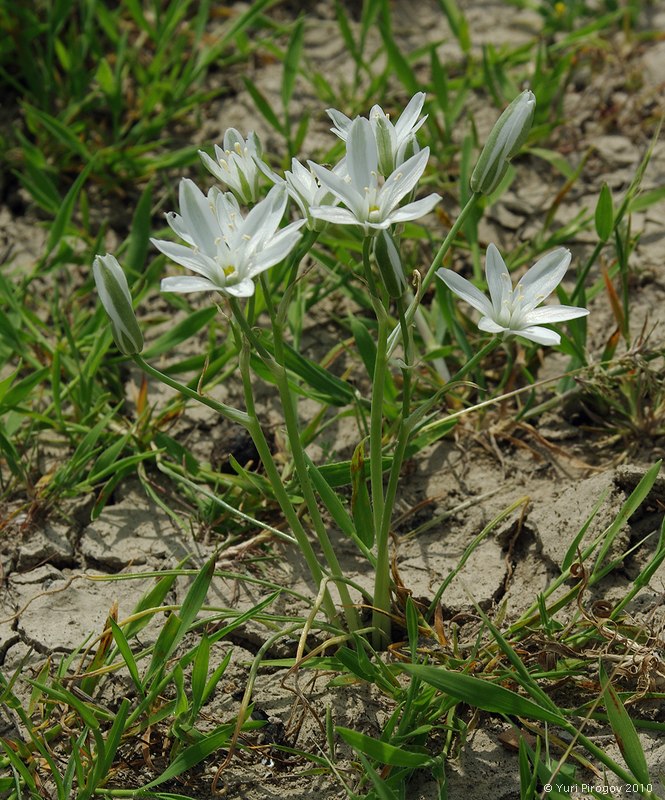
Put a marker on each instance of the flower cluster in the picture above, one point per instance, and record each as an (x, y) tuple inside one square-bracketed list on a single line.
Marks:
[(372, 188)]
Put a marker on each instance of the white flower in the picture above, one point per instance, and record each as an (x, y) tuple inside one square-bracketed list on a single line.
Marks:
[(513, 311), (370, 201), (117, 301), (304, 187), (225, 249), (394, 142), (236, 164)]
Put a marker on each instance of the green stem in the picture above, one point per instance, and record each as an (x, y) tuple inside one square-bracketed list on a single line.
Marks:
[(476, 359), (228, 412), (380, 617), (278, 488), (299, 459), (382, 578), (438, 259)]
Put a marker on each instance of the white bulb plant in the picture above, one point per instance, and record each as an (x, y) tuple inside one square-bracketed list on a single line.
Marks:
[(374, 189)]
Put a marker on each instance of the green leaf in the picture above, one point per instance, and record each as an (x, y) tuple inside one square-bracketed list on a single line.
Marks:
[(193, 755), (292, 61), (361, 507), (624, 731), (383, 751), (263, 106), (479, 693), (181, 332), (64, 215), (177, 626), (604, 218), (126, 652), (139, 237)]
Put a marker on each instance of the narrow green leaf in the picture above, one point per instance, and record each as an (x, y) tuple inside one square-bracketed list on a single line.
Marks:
[(126, 652), (200, 674), (139, 237), (181, 332), (193, 755), (361, 507), (64, 215), (634, 501), (263, 106), (604, 218), (177, 626), (624, 731), (480, 693), (383, 751), (292, 61)]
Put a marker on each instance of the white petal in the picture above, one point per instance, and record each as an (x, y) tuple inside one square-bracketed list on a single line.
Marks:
[(177, 225), (488, 325), (188, 283), (186, 257), (539, 335), (547, 314), (245, 288), (341, 122), (409, 116), (403, 180), (339, 187), (543, 278), (362, 159), (466, 290), (198, 216), (263, 219), (416, 209), (498, 278), (335, 214)]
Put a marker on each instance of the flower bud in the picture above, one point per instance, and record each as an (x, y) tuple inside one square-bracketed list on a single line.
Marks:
[(389, 263), (506, 138), (117, 301), (385, 144)]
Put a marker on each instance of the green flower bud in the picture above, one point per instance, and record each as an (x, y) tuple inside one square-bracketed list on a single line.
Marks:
[(506, 138), (385, 145), (389, 263), (117, 301)]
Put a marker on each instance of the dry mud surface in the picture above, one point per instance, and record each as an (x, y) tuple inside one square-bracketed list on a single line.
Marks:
[(50, 603)]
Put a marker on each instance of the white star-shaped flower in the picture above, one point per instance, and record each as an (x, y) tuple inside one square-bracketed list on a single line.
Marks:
[(226, 249), (394, 141), (237, 164), (369, 200), (513, 311)]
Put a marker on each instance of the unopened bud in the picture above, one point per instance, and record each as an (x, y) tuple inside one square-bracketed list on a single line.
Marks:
[(384, 144), (389, 263), (117, 301), (506, 138)]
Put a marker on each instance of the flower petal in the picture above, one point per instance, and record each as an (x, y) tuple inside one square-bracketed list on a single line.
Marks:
[(184, 284), (351, 198), (488, 325), (547, 314), (498, 279), (197, 262), (341, 122), (403, 180), (409, 117), (539, 335), (466, 290), (415, 210), (245, 288), (198, 216), (361, 154), (543, 278), (335, 214)]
